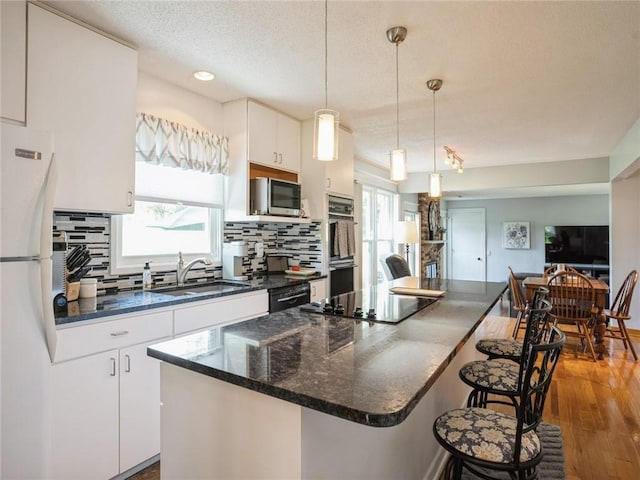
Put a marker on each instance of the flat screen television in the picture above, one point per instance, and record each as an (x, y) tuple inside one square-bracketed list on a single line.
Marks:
[(576, 244)]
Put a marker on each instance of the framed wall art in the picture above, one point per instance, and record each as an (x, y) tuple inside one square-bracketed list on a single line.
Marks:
[(516, 235)]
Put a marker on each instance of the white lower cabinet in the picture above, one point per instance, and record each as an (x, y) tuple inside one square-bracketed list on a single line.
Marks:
[(85, 417), (318, 289), (106, 396), (139, 405), (222, 311)]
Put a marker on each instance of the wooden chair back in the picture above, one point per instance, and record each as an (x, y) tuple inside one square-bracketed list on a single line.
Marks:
[(555, 268), (572, 297), (622, 302), (517, 295)]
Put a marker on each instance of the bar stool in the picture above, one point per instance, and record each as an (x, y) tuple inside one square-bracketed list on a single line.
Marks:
[(501, 377), (485, 441), (510, 348)]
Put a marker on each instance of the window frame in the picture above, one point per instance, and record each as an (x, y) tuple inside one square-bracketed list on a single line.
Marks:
[(133, 264)]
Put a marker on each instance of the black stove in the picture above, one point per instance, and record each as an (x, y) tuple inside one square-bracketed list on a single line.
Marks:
[(373, 304)]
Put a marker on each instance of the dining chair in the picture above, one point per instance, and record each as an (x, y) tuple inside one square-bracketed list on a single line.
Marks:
[(398, 266), (511, 348), (518, 300), (497, 381), (558, 267), (487, 442), (573, 304), (619, 312)]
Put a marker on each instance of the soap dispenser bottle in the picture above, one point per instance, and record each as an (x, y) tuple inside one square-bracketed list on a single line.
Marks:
[(146, 277)]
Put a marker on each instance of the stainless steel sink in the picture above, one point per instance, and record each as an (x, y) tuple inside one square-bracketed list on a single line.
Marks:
[(217, 286)]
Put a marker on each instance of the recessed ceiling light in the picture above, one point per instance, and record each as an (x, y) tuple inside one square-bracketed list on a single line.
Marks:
[(204, 76)]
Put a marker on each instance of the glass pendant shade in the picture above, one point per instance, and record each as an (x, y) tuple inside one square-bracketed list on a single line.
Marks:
[(398, 165), (435, 185), (325, 135)]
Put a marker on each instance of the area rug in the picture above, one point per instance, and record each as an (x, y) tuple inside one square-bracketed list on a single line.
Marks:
[(552, 465)]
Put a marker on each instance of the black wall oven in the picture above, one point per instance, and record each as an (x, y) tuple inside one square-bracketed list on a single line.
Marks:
[(342, 245)]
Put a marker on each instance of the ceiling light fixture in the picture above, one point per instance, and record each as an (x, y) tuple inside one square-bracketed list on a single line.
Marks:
[(398, 157), (454, 159), (325, 121), (435, 179), (204, 75)]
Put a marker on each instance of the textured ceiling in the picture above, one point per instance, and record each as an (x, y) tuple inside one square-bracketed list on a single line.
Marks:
[(523, 81)]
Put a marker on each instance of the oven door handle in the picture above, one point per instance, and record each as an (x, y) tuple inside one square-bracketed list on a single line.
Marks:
[(292, 297)]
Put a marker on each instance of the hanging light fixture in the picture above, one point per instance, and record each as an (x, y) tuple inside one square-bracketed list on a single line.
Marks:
[(398, 157), (454, 159), (325, 121), (435, 179)]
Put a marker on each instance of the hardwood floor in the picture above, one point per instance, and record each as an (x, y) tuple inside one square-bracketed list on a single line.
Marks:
[(597, 405)]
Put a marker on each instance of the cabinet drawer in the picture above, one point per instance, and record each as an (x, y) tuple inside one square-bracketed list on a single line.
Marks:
[(76, 342), (220, 312)]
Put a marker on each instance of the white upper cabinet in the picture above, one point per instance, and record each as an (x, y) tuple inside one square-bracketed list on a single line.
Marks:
[(339, 173), (82, 88), (319, 178), (14, 60), (274, 138)]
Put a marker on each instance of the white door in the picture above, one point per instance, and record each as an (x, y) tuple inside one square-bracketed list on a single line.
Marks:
[(466, 235)]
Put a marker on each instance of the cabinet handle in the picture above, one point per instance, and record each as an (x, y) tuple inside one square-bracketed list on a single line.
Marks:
[(280, 155), (127, 368), (120, 333), (328, 183), (129, 198), (313, 287), (275, 157), (113, 367)]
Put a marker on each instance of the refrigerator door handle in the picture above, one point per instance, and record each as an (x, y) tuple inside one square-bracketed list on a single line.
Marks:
[(46, 223), (48, 318)]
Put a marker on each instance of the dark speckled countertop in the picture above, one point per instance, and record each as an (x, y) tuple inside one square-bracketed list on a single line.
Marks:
[(136, 301), (369, 373)]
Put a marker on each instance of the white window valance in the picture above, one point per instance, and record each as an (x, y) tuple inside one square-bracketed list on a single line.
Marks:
[(162, 142)]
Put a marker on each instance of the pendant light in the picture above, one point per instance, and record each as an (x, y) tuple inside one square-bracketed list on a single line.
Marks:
[(435, 179), (397, 157), (325, 121)]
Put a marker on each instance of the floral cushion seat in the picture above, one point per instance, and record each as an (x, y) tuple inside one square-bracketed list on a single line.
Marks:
[(485, 435), (500, 348), (493, 375)]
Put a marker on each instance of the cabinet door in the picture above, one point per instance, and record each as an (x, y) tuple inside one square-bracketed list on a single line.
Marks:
[(318, 289), (340, 173), (82, 87), (139, 405), (85, 417), (262, 135), (288, 143), (14, 60)]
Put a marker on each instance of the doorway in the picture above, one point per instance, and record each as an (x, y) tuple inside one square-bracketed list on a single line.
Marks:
[(466, 245)]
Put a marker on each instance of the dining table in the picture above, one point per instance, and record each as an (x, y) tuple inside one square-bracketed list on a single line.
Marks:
[(601, 289)]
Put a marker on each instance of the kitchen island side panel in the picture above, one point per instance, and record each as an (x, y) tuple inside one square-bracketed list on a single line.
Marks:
[(213, 429)]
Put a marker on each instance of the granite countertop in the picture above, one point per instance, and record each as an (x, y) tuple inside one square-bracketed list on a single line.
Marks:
[(135, 301), (365, 372)]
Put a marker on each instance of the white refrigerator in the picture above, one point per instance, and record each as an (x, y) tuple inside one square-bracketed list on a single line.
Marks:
[(27, 323)]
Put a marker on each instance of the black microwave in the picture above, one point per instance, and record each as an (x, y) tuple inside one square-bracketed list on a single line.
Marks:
[(272, 196)]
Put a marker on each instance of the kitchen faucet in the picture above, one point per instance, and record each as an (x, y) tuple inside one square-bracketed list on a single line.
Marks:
[(182, 269)]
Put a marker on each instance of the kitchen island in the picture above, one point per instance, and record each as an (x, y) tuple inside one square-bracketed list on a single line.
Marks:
[(304, 395)]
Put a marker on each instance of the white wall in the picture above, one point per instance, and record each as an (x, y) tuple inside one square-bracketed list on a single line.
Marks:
[(541, 211), (625, 214), (165, 100)]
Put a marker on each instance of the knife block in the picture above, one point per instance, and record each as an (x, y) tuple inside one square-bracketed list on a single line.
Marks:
[(72, 291)]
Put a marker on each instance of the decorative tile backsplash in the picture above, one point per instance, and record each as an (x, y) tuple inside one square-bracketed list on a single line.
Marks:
[(301, 242)]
